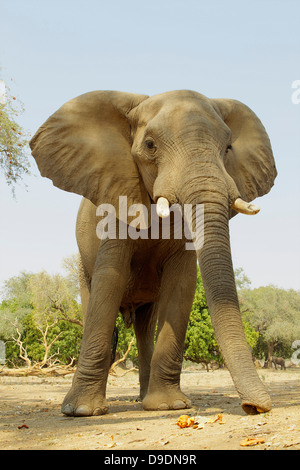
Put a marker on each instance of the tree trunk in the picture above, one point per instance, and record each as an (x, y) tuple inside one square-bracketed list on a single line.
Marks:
[(270, 354)]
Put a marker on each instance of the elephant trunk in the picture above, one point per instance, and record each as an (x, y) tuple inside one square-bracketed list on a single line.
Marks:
[(218, 278)]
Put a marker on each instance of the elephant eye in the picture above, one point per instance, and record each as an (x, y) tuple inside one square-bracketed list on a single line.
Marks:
[(228, 148), (150, 144)]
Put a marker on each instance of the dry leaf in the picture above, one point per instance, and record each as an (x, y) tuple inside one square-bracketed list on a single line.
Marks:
[(199, 422), (252, 441), (218, 418), (164, 442), (136, 440), (113, 444)]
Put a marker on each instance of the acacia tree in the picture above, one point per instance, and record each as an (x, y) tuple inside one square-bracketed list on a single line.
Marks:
[(14, 163)]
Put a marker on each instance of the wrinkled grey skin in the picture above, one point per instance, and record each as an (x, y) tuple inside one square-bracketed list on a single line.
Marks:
[(190, 150)]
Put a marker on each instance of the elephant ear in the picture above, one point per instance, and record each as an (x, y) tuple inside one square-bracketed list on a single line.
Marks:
[(85, 148), (250, 160)]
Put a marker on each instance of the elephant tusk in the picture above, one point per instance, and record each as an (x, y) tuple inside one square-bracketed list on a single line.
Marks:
[(245, 207), (162, 207)]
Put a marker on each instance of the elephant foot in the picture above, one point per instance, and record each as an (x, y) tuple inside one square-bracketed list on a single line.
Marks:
[(81, 401), (166, 401)]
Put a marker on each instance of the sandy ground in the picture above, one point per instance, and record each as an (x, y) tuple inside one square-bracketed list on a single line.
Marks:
[(30, 415)]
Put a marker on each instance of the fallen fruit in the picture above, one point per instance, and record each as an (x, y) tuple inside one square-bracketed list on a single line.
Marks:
[(185, 421), (198, 422)]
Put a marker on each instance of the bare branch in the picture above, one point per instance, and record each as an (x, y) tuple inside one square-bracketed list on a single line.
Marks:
[(112, 367), (22, 351), (64, 313)]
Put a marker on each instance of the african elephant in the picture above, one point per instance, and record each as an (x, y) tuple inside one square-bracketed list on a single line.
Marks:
[(278, 361), (175, 148)]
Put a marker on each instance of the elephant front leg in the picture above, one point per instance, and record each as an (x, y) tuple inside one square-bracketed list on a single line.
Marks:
[(177, 293), (111, 272)]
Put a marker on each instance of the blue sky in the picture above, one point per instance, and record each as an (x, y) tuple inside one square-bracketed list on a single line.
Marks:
[(250, 51)]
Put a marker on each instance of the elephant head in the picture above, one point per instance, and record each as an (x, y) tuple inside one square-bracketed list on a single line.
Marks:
[(176, 147)]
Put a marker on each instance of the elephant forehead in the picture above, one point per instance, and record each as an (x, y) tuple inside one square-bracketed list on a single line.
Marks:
[(187, 123), (172, 99), (178, 108)]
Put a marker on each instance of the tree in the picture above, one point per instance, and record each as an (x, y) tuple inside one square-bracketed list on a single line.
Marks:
[(275, 314), (17, 304), (125, 338), (241, 280), (17, 287), (70, 265), (14, 139), (53, 299), (200, 342), (42, 318)]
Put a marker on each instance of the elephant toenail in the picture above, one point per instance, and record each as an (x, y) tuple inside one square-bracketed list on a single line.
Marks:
[(163, 406), (68, 410), (100, 411), (83, 410), (178, 405)]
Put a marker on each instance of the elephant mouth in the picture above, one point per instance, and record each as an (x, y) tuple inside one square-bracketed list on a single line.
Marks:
[(251, 409)]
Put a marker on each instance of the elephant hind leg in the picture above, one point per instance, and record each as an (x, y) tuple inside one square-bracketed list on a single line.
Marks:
[(85, 286)]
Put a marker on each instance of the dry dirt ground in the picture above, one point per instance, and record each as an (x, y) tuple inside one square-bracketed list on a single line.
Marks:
[(30, 415)]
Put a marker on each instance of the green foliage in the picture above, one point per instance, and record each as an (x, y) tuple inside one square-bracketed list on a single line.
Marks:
[(200, 342), (65, 347), (125, 335), (275, 314), (17, 304), (31, 338), (44, 307), (41, 308), (68, 344), (53, 298), (241, 280), (17, 288), (251, 334), (14, 140)]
